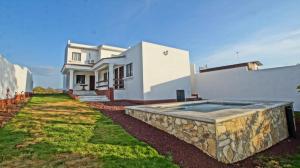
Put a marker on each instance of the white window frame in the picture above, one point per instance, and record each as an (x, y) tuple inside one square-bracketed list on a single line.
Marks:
[(129, 70), (76, 56), (82, 81)]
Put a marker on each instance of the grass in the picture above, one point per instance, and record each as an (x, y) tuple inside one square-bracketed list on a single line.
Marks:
[(56, 131), (290, 161)]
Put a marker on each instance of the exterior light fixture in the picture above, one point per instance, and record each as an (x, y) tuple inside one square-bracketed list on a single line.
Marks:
[(165, 52)]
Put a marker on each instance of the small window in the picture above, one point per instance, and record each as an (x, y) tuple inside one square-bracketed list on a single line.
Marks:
[(80, 79), (105, 76), (76, 56), (129, 71)]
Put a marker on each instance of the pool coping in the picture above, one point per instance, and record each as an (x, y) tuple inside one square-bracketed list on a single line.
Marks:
[(211, 117)]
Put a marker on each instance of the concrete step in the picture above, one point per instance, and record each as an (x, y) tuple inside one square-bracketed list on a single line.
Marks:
[(93, 99), (91, 96), (84, 92)]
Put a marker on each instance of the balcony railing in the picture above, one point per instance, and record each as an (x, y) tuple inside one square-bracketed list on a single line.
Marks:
[(118, 84), (102, 84)]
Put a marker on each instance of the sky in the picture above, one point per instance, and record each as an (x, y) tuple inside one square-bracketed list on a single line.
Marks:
[(34, 33)]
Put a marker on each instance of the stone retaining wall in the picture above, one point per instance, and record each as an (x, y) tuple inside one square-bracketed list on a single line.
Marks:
[(227, 141), (242, 137), (200, 134)]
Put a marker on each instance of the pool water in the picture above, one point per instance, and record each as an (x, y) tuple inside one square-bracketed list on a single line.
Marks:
[(205, 107)]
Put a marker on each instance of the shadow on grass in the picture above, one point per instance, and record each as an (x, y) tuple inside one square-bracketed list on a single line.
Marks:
[(107, 132)]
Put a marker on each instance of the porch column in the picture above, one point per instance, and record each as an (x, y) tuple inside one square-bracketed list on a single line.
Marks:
[(110, 75), (64, 82), (71, 79), (96, 78)]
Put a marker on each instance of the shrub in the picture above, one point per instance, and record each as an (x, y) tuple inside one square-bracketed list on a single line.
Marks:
[(42, 90)]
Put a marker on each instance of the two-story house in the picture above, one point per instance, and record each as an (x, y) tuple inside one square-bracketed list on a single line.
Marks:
[(142, 73)]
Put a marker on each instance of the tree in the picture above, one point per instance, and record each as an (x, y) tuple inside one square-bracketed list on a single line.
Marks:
[(39, 89)]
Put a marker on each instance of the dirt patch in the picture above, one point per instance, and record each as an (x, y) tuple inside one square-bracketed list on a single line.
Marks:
[(184, 154), (74, 160), (23, 162), (61, 160)]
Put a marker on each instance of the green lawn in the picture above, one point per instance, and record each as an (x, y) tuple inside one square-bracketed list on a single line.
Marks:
[(56, 131)]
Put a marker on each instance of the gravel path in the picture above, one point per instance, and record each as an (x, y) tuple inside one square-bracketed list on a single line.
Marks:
[(184, 154)]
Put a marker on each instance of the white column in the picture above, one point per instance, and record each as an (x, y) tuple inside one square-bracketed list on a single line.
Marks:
[(71, 83), (110, 75), (96, 78), (65, 82)]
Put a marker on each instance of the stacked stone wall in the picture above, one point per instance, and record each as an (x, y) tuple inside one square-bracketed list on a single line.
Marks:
[(244, 136), (227, 141)]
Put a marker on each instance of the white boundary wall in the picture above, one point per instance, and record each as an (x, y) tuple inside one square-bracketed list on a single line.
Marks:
[(14, 77), (239, 83)]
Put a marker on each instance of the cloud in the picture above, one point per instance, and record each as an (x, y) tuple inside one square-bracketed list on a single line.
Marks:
[(272, 50)]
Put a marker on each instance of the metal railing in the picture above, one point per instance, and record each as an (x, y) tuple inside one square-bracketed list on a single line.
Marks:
[(118, 84), (102, 84)]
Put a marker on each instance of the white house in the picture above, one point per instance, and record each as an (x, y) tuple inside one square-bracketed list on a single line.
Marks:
[(144, 72)]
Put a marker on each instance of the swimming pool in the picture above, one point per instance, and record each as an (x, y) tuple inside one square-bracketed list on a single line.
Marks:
[(205, 107), (228, 131)]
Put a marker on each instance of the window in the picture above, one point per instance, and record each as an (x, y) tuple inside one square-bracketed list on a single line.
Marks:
[(105, 76), (129, 71), (76, 56), (80, 79), (118, 77)]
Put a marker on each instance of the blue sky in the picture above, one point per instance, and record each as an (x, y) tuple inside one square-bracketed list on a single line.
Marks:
[(34, 33)]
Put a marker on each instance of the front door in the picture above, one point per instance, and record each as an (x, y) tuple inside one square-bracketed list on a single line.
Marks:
[(92, 82)]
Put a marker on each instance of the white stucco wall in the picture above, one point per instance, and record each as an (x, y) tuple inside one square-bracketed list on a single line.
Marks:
[(164, 74), (155, 76), (15, 77), (108, 53), (133, 85), (86, 54), (193, 79), (267, 84), (101, 74)]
